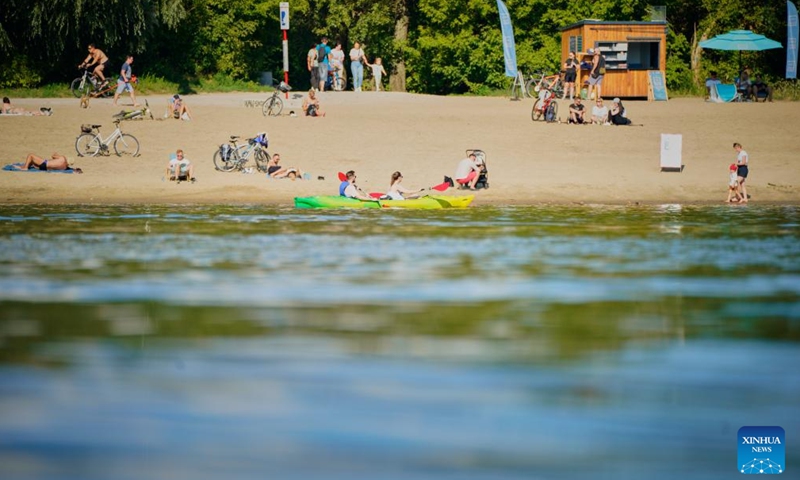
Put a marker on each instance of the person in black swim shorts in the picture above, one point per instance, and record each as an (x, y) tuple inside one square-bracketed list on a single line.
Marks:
[(742, 161)]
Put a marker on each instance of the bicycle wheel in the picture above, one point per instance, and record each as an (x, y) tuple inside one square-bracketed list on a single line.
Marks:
[(558, 89), (87, 145), (261, 157), (536, 112), (126, 145), (530, 86), (79, 88), (272, 107), (338, 83), (222, 164), (552, 111)]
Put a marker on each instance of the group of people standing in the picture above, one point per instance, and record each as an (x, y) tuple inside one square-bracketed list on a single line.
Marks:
[(323, 61)]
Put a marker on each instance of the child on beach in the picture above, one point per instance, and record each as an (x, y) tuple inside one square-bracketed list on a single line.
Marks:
[(377, 72), (733, 185)]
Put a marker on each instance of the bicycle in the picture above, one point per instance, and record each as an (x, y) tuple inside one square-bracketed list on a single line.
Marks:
[(548, 109), (89, 83), (232, 156), (90, 142), (274, 105), (336, 81), (553, 83)]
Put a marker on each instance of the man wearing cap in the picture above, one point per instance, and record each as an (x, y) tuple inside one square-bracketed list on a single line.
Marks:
[(177, 109), (596, 73)]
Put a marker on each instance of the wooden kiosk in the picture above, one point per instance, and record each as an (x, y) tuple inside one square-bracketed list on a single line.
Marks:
[(631, 49)]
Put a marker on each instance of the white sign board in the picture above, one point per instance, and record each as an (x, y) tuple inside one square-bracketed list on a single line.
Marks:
[(671, 146), (284, 15)]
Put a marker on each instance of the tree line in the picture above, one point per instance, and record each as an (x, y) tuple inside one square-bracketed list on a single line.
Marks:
[(427, 46)]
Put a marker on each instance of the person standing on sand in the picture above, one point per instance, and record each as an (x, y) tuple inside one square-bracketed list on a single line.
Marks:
[(378, 72), (357, 61), (313, 65), (733, 185), (742, 161), (124, 81)]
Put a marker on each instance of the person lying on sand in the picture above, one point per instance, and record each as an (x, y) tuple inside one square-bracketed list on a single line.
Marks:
[(56, 162), (9, 109)]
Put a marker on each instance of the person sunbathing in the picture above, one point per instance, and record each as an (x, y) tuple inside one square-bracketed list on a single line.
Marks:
[(277, 171), (9, 109), (55, 162)]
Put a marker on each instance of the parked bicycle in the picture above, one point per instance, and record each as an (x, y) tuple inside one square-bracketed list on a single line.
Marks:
[(336, 81), (553, 83), (90, 143), (89, 83), (274, 105), (545, 109), (232, 156)]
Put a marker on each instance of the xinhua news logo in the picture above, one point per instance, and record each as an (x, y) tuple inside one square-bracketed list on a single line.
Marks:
[(762, 450)]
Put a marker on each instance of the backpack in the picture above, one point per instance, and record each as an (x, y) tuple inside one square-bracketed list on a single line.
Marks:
[(550, 113), (322, 53)]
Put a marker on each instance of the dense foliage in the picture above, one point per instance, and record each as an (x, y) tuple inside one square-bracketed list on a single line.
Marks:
[(433, 46)]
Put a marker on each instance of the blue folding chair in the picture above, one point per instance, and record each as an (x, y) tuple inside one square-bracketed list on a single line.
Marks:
[(724, 93)]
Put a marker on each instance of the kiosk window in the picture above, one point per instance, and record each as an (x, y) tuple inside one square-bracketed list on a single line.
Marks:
[(643, 55)]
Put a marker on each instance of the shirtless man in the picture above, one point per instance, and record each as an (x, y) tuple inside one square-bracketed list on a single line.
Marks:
[(98, 59), (57, 162)]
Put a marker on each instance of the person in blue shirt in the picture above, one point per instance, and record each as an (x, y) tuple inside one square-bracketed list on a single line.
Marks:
[(346, 182), (323, 54), (124, 81)]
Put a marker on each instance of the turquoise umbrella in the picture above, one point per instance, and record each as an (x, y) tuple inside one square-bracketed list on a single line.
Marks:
[(740, 40)]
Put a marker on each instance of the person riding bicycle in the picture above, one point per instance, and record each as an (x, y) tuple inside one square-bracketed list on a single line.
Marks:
[(97, 61)]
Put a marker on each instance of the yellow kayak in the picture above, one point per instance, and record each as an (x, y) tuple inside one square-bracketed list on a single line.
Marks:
[(428, 202)]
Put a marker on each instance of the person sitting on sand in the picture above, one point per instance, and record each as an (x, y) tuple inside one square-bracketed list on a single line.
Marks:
[(9, 109), (577, 113), (277, 171), (733, 184), (399, 192), (180, 168), (616, 116), (468, 171), (352, 191), (311, 105), (599, 113), (56, 162), (177, 109)]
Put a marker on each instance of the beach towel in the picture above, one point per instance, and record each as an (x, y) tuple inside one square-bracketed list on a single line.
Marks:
[(10, 168)]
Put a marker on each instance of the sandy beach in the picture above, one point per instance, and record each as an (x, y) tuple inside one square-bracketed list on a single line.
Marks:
[(376, 133)]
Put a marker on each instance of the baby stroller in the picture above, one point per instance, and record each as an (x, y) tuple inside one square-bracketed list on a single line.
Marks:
[(483, 177)]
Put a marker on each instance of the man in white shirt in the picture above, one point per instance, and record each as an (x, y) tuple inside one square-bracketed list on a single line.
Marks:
[(468, 171), (180, 168)]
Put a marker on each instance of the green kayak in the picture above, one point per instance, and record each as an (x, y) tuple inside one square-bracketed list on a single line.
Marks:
[(429, 202)]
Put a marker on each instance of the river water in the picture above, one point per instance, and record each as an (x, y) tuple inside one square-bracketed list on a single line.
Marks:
[(206, 342)]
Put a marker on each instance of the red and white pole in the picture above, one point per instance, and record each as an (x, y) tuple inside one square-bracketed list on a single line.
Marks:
[(284, 19)]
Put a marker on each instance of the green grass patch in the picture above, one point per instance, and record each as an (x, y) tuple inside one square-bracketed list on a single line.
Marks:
[(149, 85), (786, 90), (53, 90)]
